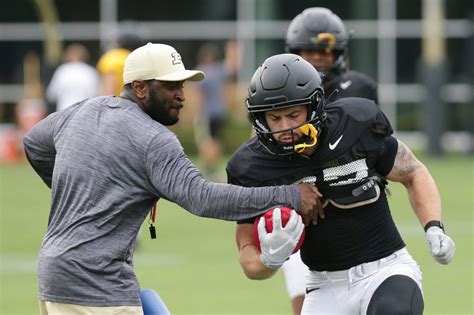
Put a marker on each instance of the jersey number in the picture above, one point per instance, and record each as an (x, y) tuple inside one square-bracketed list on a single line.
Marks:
[(346, 174)]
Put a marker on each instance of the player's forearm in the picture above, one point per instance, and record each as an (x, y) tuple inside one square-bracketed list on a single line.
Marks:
[(252, 265), (424, 196)]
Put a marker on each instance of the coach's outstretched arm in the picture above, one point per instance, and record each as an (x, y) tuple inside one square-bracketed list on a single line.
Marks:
[(425, 201), (176, 178)]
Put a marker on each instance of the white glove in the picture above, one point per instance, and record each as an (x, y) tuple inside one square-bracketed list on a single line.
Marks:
[(279, 244), (442, 247)]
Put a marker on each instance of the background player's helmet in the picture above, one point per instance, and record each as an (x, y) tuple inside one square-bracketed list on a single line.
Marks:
[(319, 29), (282, 81), (129, 39)]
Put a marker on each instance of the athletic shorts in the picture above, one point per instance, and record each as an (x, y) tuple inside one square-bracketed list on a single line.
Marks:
[(349, 291), (295, 272)]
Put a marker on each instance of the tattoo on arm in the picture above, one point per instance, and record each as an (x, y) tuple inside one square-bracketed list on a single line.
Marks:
[(405, 161)]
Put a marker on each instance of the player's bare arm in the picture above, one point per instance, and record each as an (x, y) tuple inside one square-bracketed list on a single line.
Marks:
[(422, 192), (425, 201), (250, 255), (405, 162)]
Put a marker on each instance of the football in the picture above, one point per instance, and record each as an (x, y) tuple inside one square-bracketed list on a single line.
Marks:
[(285, 216)]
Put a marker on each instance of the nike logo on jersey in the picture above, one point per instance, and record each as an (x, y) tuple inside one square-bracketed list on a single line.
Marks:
[(332, 146), (308, 290), (345, 85)]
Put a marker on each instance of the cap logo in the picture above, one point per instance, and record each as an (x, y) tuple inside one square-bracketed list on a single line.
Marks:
[(176, 58)]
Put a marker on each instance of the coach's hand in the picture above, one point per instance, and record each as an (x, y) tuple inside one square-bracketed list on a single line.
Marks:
[(280, 243), (442, 247), (310, 204)]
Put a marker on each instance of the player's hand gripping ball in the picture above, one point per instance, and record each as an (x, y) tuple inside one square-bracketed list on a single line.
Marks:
[(285, 216)]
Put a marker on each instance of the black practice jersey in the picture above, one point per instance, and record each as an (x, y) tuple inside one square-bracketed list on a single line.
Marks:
[(355, 145), (352, 84)]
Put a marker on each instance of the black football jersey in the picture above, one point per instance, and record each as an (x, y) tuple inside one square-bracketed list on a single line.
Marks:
[(355, 145), (351, 84)]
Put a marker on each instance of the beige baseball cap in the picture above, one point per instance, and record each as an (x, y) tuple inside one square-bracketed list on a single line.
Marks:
[(159, 62)]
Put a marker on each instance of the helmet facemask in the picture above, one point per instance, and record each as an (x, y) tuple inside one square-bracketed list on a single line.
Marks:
[(311, 128)]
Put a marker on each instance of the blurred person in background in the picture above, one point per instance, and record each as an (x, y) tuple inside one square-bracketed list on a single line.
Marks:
[(74, 80), (108, 160), (111, 63), (320, 37), (354, 258), (213, 101)]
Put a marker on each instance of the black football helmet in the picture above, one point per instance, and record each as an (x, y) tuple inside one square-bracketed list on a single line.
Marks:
[(319, 29), (283, 81)]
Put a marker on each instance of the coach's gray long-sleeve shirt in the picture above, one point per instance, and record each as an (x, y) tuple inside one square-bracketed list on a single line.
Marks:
[(106, 162)]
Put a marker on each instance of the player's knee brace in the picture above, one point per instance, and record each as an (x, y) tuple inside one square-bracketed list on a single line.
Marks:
[(397, 295)]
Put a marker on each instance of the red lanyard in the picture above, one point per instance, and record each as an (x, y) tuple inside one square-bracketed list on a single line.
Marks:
[(152, 221)]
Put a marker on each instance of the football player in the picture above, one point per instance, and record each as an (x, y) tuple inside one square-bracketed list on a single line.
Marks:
[(321, 38), (358, 262)]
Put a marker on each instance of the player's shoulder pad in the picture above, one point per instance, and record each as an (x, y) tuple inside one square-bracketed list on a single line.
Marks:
[(356, 75), (355, 107), (361, 80), (244, 163), (359, 114)]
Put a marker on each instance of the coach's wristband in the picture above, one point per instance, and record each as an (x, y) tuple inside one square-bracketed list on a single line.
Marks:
[(434, 223)]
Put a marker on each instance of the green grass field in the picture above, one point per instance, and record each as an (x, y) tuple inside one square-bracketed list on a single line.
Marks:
[(193, 262)]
